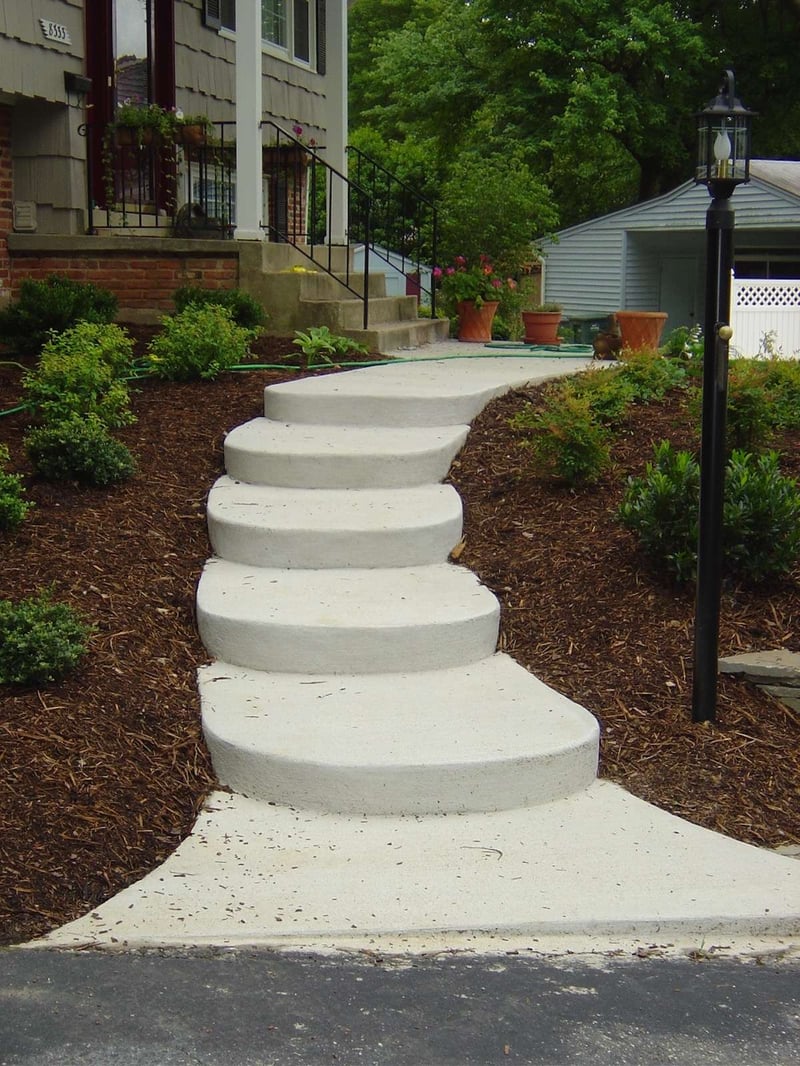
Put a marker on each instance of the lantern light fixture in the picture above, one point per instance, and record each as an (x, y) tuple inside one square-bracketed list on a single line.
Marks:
[(723, 141)]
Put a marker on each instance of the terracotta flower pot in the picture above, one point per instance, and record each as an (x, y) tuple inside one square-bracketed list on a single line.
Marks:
[(281, 157), (475, 323), (194, 135), (641, 330), (541, 327), (126, 136)]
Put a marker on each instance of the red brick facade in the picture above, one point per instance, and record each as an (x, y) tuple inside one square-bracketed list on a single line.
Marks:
[(142, 280), (6, 197)]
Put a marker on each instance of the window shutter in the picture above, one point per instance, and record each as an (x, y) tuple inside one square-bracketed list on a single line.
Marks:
[(212, 14), (321, 38)]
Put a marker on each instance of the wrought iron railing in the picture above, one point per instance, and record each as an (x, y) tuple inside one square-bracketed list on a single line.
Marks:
[(304, 195), (186, 184), (404, 223)]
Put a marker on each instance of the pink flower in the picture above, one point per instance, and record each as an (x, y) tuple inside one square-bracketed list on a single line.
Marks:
[(437, 272), (460, 260), (450, 270), (297, 130), (497, 283)]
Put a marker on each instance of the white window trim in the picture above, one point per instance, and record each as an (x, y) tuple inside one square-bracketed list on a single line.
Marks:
[(268, 48)]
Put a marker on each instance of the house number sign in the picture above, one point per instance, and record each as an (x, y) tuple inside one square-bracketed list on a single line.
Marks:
[(54, 31)]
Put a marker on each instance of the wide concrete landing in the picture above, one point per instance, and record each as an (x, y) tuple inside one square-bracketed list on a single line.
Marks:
[(449, 391), (597, 868), (483, 737)]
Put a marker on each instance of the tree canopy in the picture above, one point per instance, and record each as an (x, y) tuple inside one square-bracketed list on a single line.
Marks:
[(593, 100)]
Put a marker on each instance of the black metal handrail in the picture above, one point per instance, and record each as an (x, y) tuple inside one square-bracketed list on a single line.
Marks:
[(405, 221), (303, 188), (185, 183)]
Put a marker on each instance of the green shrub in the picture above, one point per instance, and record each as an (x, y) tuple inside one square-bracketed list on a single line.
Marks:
[(761, 514), (246, 311), (54, 304), (13, 505), (761, 523), (650, 375), (199, 342), (661, 508), (80, 373), (318, 343), (79, 449), (567, 443), (685, 343), (607, 392), (782, 382), (39, 640), (750, 416)]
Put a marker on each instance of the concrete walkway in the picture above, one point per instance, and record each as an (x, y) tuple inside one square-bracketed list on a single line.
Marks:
[(396, 784)]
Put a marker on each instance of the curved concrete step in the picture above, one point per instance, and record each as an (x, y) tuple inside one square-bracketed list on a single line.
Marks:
[(345, 621), (484, 737), (274, 526), (265, 452), (406, 394)]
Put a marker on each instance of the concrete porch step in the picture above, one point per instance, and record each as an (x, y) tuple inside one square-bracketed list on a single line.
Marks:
[(345, 621), (348, 314), (393, 335), (265, 525), (267, 452), (483, 737)]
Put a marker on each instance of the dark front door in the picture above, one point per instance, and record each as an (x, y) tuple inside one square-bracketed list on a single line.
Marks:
[(130, 54)]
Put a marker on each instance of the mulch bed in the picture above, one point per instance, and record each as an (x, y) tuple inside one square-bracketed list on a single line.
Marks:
[(103, 774)]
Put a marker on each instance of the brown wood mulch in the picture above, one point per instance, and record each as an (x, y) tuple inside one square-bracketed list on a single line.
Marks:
[(103, 774)]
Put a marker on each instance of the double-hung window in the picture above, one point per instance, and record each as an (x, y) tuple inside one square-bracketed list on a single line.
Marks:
[(294, 28)]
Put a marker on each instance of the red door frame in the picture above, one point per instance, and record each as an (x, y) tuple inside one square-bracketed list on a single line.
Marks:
[(99, 23)]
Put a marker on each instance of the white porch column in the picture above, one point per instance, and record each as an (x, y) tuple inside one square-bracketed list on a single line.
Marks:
[(249, 208), (336, 100)]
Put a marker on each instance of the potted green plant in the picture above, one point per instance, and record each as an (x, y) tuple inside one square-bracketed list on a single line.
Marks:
[(140, 123), (289, 152), (541, 324), (473, 291), (193, 130)]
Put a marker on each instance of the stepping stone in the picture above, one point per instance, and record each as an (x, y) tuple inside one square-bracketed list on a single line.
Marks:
[(274, 526), (265, 452), (484, 737), (345, 621), (775, 665)]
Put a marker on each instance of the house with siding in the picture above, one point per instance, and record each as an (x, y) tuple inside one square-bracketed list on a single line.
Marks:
[(73, 201), (651, 257)]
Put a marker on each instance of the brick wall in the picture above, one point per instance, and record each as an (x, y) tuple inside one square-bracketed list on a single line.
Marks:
[(6, 197), (141, 280)]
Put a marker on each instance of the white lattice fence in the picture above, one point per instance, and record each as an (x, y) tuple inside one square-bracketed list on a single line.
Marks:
[(765, 307)]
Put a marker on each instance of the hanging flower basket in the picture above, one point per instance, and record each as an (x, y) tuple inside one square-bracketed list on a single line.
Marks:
[(475, 323), (284, 157), (132, 136), (189, 134)]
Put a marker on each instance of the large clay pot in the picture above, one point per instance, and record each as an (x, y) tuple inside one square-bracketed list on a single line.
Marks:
[(541, 327), (641, 330), (193, 134), (475, 323)]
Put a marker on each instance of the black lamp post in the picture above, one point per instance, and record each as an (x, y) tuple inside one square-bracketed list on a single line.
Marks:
[(723, 162)]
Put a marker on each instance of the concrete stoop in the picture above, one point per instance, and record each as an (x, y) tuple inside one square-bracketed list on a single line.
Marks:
[(302, 287), (394, 778)]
